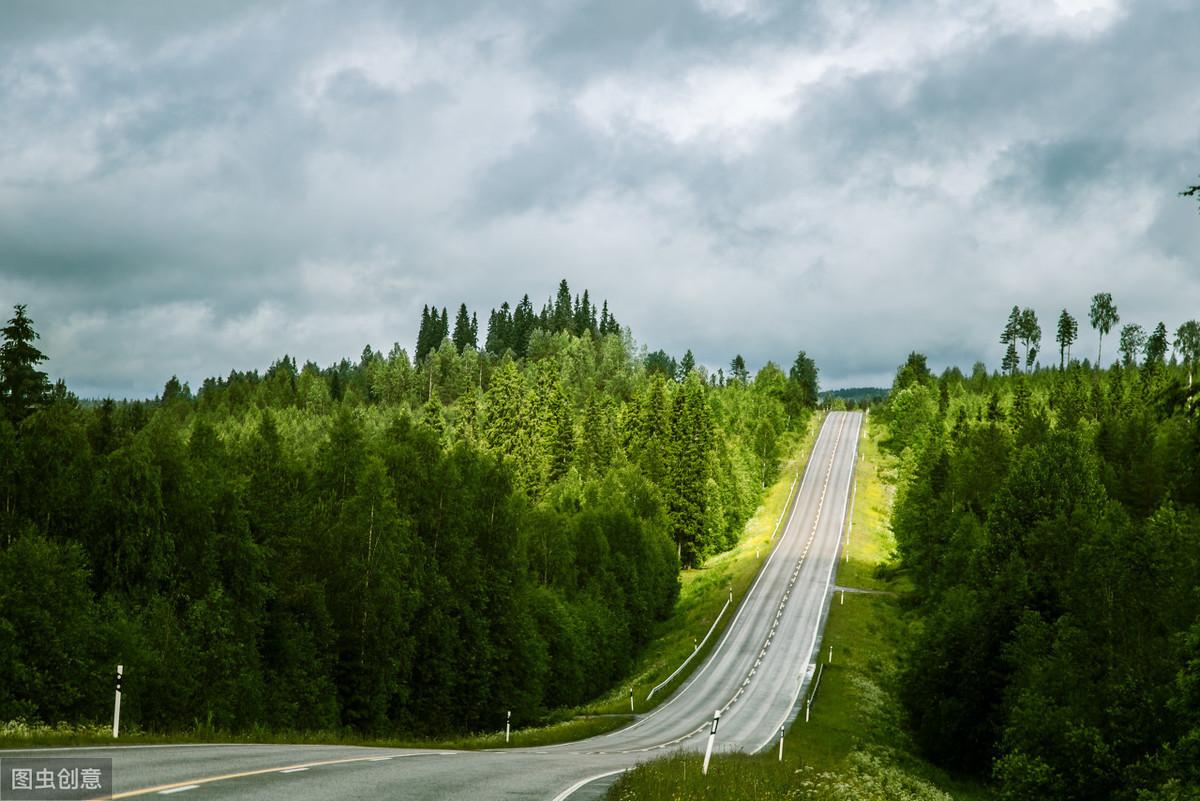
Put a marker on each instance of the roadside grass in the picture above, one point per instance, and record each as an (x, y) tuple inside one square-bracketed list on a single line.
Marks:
[(870, 541), (18, 734), (854, 746), (704, 591)]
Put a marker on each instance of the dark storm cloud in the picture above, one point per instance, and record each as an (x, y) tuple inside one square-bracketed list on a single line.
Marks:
[(193, 188)]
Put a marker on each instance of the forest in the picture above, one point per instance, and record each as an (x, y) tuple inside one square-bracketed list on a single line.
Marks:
[(1049, 519), (387, 545)]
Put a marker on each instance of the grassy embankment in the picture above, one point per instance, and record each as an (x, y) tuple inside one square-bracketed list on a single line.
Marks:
[(854, 746), (702, 594), (704, 591)]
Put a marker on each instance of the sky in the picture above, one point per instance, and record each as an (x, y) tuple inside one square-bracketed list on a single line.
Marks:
[(190, 188)]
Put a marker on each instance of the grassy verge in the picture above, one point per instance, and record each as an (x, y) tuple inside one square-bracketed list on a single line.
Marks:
[(854, 747), (16, 734), (701, 597), (703, 592)]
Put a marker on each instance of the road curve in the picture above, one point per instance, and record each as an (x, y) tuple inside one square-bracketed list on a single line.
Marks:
[(755, 675)]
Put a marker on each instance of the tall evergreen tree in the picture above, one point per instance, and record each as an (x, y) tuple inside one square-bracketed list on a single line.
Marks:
[(1157, 346), (427, 336), (523, 322), (686, 365), (499, 333), (737, 369), (690, 452), (464, 331), (1012, 360), (562, 312), (443, 329), (23, 387), (801, 392), (1067, 333), (1030, 334)]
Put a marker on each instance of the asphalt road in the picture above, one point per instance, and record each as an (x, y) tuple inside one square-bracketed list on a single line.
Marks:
[(755, 675)]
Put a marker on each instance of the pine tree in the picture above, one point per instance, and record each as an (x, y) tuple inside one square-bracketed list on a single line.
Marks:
[(686, 365), (1030, 334), (523, 322), (1068, 332), (687, 485), (500, 330), (1012, 360), (23, 387), (1157, 346), (424, 335), (562, 311), (802, 389), (737, 369), (464, 331)]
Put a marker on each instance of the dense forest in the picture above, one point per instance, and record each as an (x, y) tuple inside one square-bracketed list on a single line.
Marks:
[(386, 545), (1050, 521)]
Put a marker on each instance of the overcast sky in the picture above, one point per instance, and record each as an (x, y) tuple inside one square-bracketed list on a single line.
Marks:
[(193, 187)]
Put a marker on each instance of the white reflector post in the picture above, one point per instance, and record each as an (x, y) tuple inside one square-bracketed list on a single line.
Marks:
[(712, 735), (117, 703)]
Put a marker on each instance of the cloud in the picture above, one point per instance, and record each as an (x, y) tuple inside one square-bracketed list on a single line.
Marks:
[(189, 193)]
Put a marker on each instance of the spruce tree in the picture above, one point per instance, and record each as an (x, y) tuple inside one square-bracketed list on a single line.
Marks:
[(427, 336), (1068, 331), (1156, 346), (464, 336), (523, 322), (1030, 334), (687, 484), (737, 369), (686, 365), (562, 311), (23, 387), (443, 330)]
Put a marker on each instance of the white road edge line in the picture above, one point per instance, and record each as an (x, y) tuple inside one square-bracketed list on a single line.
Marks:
[(174, 790), (294, 770), (570, 790)]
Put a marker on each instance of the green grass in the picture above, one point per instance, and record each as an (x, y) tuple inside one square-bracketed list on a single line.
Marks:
[(854, 746), (703, 592), (17, 734)]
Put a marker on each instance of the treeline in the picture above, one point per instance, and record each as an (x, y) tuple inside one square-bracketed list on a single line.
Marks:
[(510, 328), (383, 545), (1051, 526)]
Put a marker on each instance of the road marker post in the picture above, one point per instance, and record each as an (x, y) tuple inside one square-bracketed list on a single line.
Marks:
[(807, 708), (507, 726), (630, 699), (712, 735), (843, 597), (117, 703), (781, 743), (831, 654)]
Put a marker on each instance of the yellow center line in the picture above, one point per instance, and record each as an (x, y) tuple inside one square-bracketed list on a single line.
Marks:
[(278, 769)]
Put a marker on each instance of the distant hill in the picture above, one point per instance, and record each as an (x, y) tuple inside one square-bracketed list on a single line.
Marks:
[(856, 393)]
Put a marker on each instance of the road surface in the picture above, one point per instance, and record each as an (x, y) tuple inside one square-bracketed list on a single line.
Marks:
[(755, 675)]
